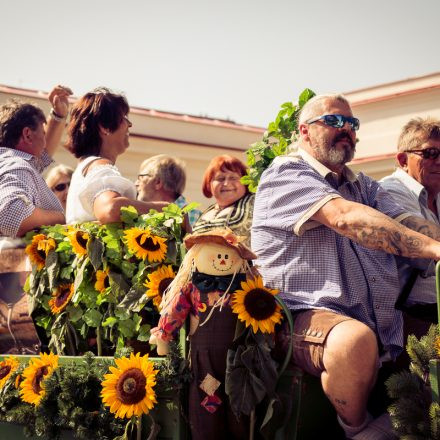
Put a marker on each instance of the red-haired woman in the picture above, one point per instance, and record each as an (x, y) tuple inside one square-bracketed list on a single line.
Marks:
[(233, 205)]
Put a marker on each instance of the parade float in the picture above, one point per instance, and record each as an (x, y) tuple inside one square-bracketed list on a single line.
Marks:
[(94, 293)]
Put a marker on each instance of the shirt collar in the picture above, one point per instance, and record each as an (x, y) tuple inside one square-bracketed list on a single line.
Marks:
[(416, 187), (323, 170), (39, 163)]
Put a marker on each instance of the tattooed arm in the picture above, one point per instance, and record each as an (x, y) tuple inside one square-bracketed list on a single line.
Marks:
[(375, 230), (423, 226)]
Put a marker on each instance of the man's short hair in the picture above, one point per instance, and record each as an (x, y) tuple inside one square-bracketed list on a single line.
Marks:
[(416, 132), (14, 117), (312, 106), (170, 170)]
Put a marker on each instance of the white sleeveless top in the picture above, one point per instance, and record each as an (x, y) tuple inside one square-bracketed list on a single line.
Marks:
[(84, 189)]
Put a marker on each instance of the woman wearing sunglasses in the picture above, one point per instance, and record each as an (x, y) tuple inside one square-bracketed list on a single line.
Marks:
[(58, 180), (98, 134)]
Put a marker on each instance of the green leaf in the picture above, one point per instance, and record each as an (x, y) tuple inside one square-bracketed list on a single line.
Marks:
[(190, 207), (131, 300), (144, 333), (127, 328), (129, 215), (110, 321), (95, 251), (66, 272), (75, 313), (92, 318), (305, 95), (52, 268)]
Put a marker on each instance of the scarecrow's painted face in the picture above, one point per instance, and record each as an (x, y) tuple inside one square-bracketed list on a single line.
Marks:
[(215, 259)]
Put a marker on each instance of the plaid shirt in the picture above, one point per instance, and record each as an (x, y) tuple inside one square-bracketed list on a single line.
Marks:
[(22, 188), (414, 198), (312, 265)]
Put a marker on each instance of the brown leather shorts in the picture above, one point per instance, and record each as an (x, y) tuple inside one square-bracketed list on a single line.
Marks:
[(310, 331)]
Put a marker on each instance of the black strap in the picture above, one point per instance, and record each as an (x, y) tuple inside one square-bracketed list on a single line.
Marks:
[(404, 294)]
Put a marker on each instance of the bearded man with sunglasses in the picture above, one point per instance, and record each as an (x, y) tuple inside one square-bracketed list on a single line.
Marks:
[(416, 186), (326, 238)]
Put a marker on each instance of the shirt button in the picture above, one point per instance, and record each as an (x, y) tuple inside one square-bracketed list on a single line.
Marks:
[(377, 306), (373, 279)]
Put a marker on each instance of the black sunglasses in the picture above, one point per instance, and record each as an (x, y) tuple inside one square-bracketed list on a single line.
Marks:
[(427, 153), (337, 121), (61, 187)]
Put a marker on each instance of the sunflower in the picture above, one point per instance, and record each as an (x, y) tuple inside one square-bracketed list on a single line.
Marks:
[(39, 248), (78, 239), (256, 305), (7, 368), (102, 280), (39, 369), (61, 297), (143, 244), (129, 389), (157, 283)]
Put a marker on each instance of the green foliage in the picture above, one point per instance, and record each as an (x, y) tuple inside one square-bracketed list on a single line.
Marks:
[(115, 308), (413, 414), (276, 140), (72, 397)]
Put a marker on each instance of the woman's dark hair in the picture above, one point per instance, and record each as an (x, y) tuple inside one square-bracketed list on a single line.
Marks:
[(99, 108)]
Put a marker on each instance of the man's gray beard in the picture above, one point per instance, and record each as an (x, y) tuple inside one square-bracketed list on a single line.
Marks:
[(334, 156)]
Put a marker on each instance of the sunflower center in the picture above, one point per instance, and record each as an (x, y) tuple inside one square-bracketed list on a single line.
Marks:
[(62, 295), (148, 244), (163, 285), (38, 377), (106, 282), (260, 304), (4, 371), (81, 240), (41, 254), (130, 387)]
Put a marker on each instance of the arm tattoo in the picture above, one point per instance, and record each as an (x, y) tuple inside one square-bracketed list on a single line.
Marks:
[(391, 238), (423, 226)]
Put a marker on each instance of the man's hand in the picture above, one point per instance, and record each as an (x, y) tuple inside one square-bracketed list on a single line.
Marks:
[(59, 98)]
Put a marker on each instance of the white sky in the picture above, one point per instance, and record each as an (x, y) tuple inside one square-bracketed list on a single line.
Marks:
[(236, 59)]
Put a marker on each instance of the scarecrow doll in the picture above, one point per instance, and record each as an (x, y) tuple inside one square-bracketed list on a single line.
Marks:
[(212, 270)]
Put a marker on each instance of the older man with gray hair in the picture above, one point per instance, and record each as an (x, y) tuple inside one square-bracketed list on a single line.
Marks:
[(415, 185), (325, 238), (163, 178)]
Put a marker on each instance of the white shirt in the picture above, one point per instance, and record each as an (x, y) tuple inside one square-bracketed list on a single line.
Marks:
[(84, 189)]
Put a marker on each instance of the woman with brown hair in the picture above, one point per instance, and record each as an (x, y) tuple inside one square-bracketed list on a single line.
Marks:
[(233, 205), (97, 134)]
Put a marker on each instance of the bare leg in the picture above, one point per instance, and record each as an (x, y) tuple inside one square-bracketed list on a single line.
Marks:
[(350, 368)]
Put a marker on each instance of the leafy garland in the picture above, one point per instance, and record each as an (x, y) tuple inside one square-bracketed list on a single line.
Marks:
[(414, 415), (72, 397), (90, 283), (276, 139)]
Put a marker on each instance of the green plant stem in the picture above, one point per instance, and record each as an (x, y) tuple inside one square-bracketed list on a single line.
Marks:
[(139, 428), (98, 340)]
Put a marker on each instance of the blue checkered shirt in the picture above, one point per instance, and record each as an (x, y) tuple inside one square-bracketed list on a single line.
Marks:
[(414, 198), (312, 265), (22, 188), (193, 215)]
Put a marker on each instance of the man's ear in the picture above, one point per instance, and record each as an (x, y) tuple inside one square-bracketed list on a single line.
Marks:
[(304, 131), (158, 183), (26, 135), (402, 160)]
